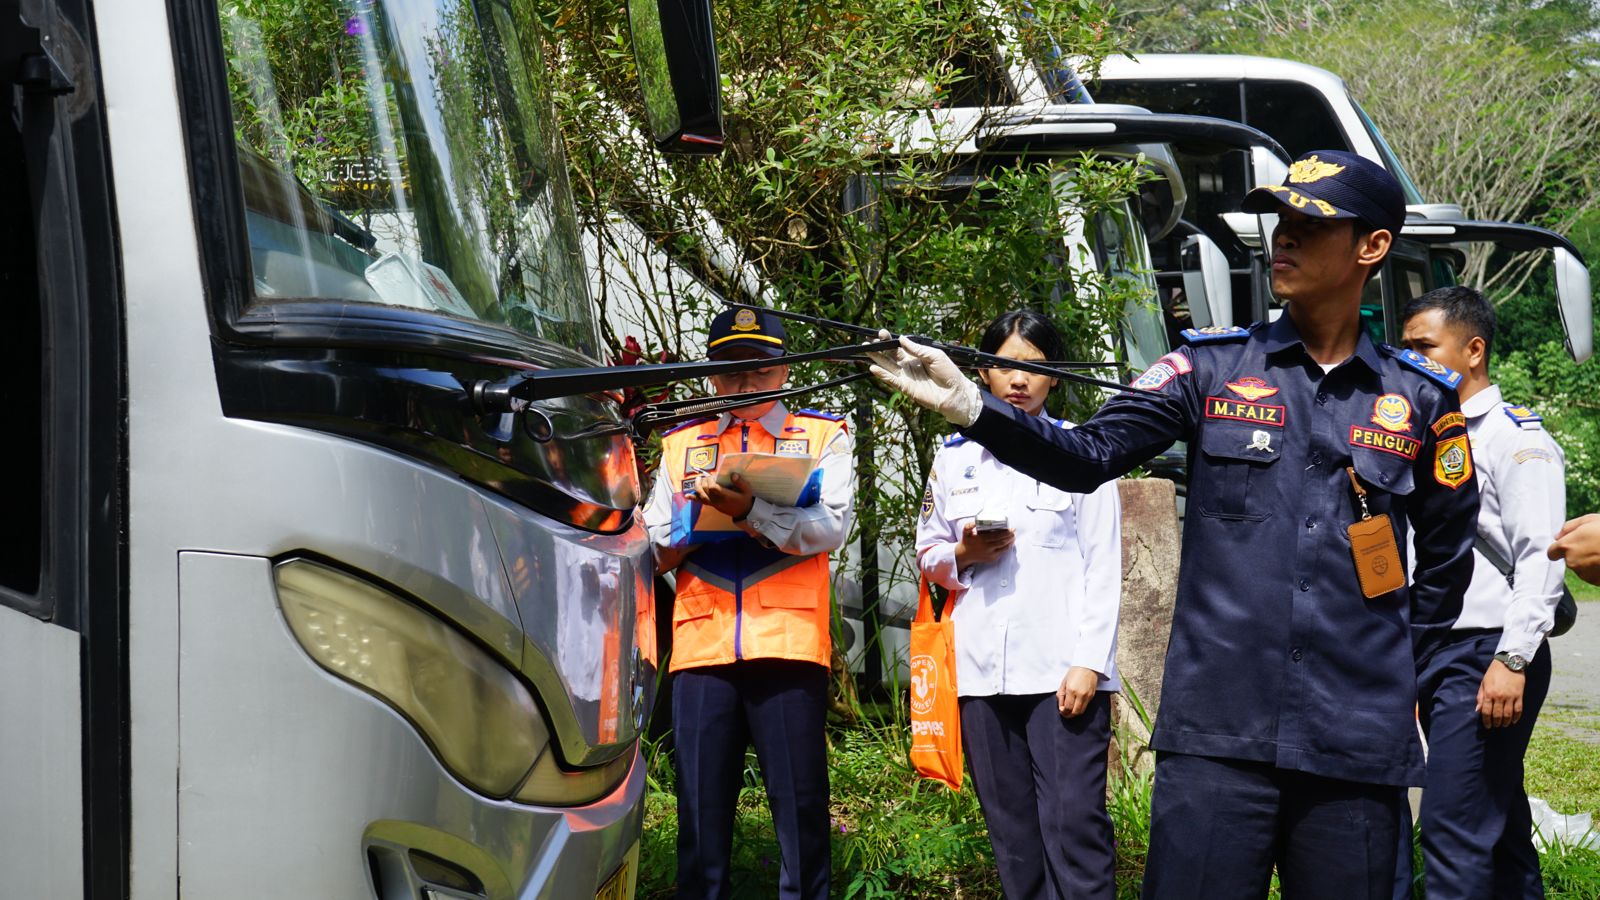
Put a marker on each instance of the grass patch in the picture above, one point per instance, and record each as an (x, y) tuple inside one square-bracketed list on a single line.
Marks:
[(895, 835), (1581, 590), (1563, 770)]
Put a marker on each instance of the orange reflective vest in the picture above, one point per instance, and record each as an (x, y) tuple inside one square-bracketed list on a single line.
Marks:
[(738, 597)]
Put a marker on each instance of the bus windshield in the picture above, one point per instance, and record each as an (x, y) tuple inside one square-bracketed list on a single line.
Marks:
[(400, 152), (1390, 161)]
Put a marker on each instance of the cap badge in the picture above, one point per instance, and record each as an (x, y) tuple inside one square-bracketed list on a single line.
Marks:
[(1311, 169), (745, 320), (1252, 388)]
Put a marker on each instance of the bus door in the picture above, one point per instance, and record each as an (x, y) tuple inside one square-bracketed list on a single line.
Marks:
[(63, 685)]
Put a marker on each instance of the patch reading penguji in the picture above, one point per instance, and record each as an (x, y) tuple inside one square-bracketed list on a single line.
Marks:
[(1260, 440)]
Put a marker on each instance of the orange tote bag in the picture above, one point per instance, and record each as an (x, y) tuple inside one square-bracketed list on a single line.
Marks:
[(935, 717)]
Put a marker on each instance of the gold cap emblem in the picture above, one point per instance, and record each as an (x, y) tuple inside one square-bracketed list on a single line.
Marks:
[(1310, 169), (745, 320)]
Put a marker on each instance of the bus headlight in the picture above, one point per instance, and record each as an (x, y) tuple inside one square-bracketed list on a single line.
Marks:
[(480, 720)]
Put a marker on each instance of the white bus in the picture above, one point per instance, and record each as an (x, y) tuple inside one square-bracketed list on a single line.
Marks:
[(286, 610)]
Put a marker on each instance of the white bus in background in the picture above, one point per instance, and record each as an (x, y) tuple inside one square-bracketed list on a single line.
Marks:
[(1306, 108), (293, 601)]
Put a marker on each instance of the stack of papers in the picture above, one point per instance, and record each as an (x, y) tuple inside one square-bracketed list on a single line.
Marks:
[(774, 477)]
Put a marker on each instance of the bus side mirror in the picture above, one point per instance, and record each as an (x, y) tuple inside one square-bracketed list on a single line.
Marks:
[(1207, 283), (675, 48), (1265, 168), (1573, 298)]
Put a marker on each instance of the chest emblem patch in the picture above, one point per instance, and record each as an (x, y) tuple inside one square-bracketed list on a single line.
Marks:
[(1388, 442), (1452, 462), (1392, 412), (794, 445), (1260, 440), (1252, 388), (971, 472), (1238, 410), (704, 458)]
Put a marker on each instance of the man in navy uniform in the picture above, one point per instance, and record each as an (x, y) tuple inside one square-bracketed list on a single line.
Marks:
[(1482, 691), (1286, 729)]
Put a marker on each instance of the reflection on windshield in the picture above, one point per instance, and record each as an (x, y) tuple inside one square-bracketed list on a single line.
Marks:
[(400, 152)]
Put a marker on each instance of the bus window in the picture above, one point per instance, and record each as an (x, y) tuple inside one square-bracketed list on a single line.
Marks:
[(1296, 115), (394, 153), (1121, 248), (1218, 99)]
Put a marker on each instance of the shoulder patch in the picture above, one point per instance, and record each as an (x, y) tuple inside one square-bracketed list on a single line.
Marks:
[(1445, 377), (1215, 334), (689, 424), (955, 440), (1523, 416), (819, 414)]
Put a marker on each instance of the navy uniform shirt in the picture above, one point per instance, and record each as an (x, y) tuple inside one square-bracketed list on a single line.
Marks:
[(1276, 656)]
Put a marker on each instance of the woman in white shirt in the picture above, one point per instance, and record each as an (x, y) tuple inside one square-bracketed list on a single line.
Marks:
[(1035, 613)]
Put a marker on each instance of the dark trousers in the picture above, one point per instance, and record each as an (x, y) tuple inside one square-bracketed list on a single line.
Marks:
[(1041, 781), (1219, 826), (717, 711), (1477, 831)]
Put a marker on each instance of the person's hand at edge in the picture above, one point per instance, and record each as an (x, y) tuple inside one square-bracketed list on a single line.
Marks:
[(1579, 544)]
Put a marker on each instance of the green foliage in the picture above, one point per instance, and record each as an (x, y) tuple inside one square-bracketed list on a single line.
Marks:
[(823, 202)]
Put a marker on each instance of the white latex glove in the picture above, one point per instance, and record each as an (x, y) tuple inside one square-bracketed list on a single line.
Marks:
[(930, 379)]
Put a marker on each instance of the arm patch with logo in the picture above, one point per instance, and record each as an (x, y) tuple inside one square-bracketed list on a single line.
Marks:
[(1452, 462)]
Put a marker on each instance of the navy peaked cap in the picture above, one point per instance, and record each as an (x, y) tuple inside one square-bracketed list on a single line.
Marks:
[(1332, 184)]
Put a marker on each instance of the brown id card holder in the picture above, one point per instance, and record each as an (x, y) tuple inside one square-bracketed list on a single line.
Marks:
[(1373, 547)]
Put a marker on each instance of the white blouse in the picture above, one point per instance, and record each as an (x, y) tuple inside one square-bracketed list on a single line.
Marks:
[(1050, 601)]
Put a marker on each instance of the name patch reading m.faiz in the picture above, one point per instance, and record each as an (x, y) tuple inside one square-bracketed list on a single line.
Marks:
[(1388, 442), (1238, 410)]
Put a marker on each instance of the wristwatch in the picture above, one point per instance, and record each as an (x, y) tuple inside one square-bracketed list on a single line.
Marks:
[(1511, 661)]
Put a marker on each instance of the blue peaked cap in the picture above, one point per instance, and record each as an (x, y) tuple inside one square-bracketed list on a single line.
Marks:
[(1332, 184)]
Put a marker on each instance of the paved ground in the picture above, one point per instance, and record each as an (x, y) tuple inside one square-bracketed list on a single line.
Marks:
[(1574, 699)]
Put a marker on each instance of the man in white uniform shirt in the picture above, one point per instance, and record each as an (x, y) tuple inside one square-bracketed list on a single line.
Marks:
[(1481, 692)]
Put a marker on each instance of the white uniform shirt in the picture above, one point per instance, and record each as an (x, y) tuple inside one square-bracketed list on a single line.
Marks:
[(1522, 489), (1050, 601), (801, 531)]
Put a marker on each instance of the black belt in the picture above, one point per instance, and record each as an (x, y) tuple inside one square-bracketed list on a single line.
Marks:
[(1457, 635)]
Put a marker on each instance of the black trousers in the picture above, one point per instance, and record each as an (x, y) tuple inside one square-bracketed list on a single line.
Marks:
[(1041, 781), (718, 711), (1477, 831), (1219, 826)]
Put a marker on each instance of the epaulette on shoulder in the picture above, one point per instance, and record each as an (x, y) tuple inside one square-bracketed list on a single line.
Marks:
[(955, 440), (1442, 375), (819, 414), (689, 424), (1215, 334), (1522, 415)]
